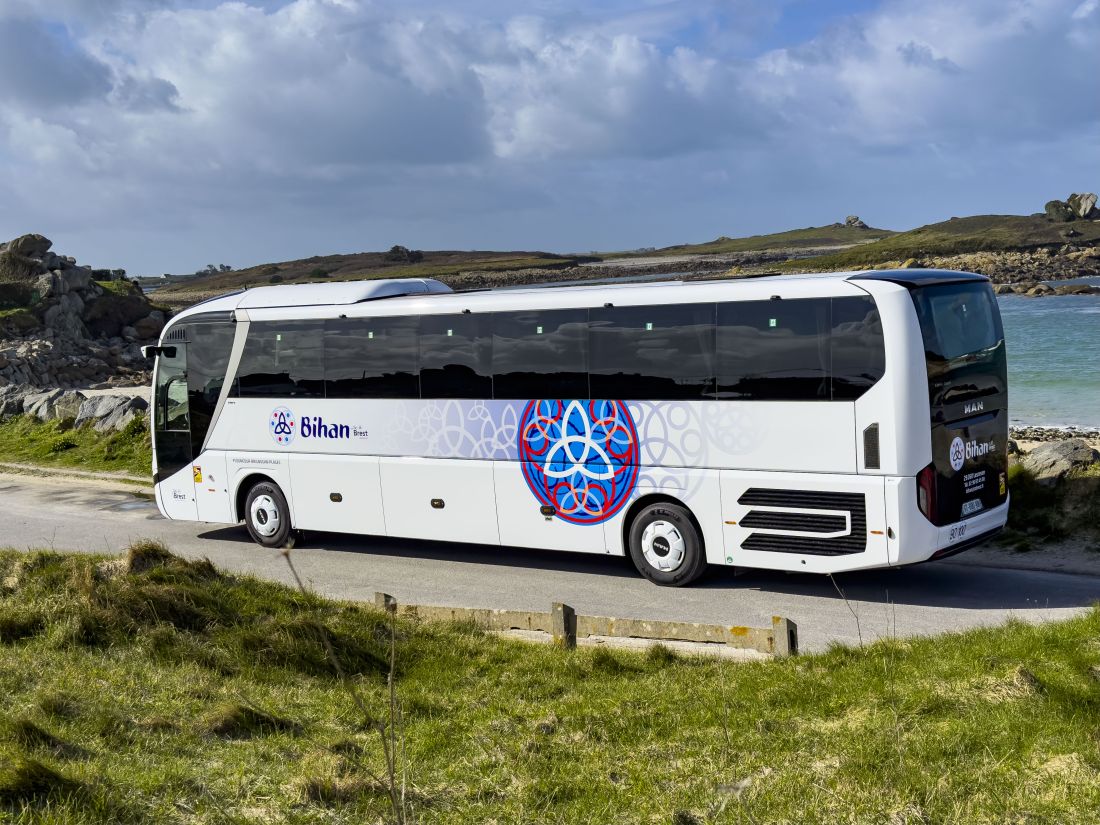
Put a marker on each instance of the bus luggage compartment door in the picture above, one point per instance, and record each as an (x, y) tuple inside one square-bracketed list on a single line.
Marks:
[(525, 521), (814, 522), (337, 493), (438, 498)]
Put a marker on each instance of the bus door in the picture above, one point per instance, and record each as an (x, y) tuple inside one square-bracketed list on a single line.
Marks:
[(172, 434)]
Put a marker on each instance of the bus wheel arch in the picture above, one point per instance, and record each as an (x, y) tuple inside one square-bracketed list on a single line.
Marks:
[(244, 486), (664, 540), (267, 516)]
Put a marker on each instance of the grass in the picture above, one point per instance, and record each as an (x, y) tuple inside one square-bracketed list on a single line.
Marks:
[(26, 440), (958, 236), (812, 236), (361, 266), (196, 696)]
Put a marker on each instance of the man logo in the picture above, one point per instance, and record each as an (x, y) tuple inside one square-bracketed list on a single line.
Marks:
[(281, 425), (957, 454)]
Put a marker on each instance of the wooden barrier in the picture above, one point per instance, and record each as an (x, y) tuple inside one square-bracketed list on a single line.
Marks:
[(565, 626)]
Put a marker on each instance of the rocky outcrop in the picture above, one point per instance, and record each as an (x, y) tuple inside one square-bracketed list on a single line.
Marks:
[(1083, 205), (105, 412), (853, 220), (1078, 206), (67, 325), (1050, 463)]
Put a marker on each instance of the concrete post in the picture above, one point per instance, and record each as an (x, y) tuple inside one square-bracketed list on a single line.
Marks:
[(784, 637), (384, 601), (563, 623)]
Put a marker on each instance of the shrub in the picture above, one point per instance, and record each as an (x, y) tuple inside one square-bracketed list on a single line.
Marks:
[(63, 443)]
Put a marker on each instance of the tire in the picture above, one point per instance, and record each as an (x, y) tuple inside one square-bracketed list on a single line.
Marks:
[(267, 515), (665, 545)]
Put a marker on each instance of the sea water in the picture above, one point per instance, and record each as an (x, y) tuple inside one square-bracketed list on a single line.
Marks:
[(1053, 348)]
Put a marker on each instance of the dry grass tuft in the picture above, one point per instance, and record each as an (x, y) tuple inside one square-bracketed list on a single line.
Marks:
[(59, 705), (18, 623), (340, 790), (24, 781), (242, 721), (34, 737), (145, 554)]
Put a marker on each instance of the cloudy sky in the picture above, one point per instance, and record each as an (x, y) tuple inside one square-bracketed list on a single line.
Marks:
[(162, 135)]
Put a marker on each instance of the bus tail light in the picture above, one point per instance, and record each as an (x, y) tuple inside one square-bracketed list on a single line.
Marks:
[(926, 492)]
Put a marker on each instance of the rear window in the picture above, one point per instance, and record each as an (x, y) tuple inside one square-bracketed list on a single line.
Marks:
[(957, 319)]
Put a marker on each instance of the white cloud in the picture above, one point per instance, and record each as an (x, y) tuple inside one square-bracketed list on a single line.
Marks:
[(336, 116)]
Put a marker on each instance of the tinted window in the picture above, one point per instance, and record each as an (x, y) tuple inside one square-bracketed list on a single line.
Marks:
[(774, 350), (957, 319), (858, 351), (454, 357), (657, 352), (283, 359), (371, 358), (540, 354), (207, 360)]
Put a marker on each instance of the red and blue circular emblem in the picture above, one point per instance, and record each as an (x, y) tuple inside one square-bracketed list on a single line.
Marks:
[(281, 425), (580, 457)]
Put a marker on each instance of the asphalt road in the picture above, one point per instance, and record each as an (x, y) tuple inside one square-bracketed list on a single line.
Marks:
[(930, 598)]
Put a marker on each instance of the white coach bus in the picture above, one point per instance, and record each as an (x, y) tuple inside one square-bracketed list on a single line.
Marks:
[(813, 423)]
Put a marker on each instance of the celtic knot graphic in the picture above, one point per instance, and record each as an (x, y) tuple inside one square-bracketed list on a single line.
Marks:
[(579, 457), (281, 425)]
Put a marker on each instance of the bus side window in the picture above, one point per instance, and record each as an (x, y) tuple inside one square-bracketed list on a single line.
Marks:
[(858, 348), (540, 354), (283, 359), (455, 357), (653, 352), (774, 350), (371, 358)]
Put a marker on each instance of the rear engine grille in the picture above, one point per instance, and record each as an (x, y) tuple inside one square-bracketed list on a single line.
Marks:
[(794, 501), (808, 522)]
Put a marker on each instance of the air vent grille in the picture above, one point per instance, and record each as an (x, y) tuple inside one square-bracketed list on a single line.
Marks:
[(794, 501), (870, 448), (807, 522)]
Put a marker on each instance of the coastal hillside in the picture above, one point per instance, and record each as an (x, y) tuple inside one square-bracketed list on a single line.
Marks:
[(1061, 242), (398, 262), (836, 235), (477, 269), (1030, 235)]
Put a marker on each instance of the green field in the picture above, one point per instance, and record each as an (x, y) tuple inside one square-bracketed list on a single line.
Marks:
[(152, 689), (26, 440), (958, 236), (810, 237)]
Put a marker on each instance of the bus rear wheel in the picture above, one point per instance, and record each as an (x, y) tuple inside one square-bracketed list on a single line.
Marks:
[(267, 515), (666, 546)]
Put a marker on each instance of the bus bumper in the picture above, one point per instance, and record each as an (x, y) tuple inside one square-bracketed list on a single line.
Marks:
[(917, 539)]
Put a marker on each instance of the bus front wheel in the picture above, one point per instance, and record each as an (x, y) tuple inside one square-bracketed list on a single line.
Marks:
[(666, 546), (267, 515)]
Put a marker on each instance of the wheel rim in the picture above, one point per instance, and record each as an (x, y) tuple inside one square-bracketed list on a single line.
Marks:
[(265, 516), (663, 546)]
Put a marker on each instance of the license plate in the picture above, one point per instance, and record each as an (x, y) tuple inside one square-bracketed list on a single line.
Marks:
[(971, 507)]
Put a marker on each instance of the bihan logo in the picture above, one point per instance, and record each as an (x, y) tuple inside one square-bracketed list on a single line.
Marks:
[(962, 451), (284, 427)]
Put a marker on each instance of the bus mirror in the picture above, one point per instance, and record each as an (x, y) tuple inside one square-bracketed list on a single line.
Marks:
[(153, 351)]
